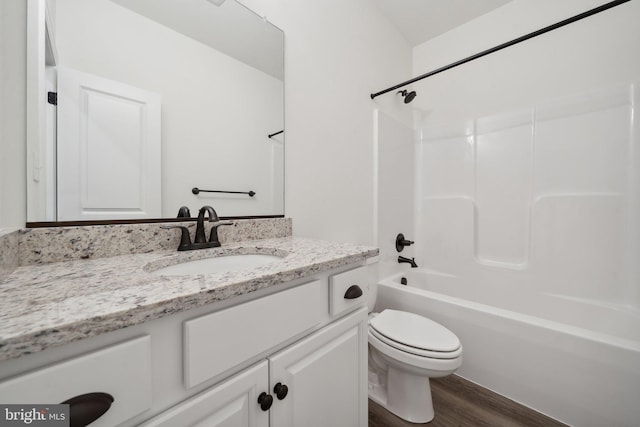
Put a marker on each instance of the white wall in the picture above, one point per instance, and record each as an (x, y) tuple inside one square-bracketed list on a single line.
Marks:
[(396, 187), (530, 172), (529, 152), (216, 111), (13, 18), (337, 53), (569, 59)]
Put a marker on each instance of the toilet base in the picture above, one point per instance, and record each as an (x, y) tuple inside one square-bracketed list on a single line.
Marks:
[(405, 395)]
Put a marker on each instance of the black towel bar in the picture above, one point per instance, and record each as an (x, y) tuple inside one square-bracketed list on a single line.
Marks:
[(196, 190)]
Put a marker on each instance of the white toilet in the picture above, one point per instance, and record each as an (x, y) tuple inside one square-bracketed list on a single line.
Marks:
[(405, 350)]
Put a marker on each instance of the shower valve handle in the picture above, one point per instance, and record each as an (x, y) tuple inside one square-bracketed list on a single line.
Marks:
[(401, 242)]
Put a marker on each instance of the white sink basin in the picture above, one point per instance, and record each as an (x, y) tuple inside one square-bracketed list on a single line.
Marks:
[(222, 264)]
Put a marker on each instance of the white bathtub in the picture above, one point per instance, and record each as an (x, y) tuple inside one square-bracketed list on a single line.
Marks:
[(574, 360)]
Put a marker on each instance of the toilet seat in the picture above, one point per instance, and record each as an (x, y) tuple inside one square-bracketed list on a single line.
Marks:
[(414, 334)]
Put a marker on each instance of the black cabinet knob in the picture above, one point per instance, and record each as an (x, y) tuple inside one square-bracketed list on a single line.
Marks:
[(87, 408), (281, 391), (353, 292), (265, 400)]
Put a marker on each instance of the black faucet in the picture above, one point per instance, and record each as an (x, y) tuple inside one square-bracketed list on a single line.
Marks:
[(213, 217), (200, 240), (411, 261)]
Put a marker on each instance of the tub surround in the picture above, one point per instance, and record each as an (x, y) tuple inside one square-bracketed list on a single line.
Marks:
[(47, 304)]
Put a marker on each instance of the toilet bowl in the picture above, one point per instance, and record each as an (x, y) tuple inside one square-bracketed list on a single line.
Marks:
[(405, 350)]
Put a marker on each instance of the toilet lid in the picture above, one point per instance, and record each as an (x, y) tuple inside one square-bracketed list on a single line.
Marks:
[(415, 331)]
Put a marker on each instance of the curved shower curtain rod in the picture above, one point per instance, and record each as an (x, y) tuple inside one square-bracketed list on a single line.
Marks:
[(520, 39)]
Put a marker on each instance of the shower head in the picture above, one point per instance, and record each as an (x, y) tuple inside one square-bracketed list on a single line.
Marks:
[(408, 96)]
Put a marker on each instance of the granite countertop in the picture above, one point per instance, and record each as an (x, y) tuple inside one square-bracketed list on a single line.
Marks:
[(49, 305)]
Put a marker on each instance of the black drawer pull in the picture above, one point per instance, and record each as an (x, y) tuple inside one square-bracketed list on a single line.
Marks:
[(87, 408), (353, 292)]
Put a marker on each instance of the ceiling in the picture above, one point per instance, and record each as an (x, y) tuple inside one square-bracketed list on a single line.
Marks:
[(421, 20), (229, 28), (232, 29)]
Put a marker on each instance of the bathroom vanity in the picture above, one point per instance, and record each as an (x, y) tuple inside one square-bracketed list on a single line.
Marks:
[(281, 344)]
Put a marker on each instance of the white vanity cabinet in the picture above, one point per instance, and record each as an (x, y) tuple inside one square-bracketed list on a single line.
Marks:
[(121, 370), (319, 381), (216, 342), (230, 404), (295, 355), (326, 376)]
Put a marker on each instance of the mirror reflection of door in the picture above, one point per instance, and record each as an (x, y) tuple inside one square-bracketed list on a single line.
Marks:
[(51, 119), (219, 71), (109, 149)]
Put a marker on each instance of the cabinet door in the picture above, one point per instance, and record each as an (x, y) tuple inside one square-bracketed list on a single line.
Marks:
[(121, 370), (326, 377), (233, 403)]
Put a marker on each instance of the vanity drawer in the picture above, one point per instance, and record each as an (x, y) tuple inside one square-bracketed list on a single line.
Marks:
[(122, 371), (219, 341), (344, 289)]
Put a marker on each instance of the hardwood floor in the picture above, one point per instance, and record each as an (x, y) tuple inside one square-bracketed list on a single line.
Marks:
[(460, 403)]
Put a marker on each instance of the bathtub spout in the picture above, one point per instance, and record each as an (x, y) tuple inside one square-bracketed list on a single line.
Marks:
[(411, 261)]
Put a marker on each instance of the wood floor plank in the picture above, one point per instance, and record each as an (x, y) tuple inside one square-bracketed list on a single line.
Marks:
[(461, 403)]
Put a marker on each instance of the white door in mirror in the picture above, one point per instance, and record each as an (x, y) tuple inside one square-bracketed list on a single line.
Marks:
[(109, 147)]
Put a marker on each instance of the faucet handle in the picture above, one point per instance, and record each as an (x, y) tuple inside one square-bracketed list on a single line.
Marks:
[(213, 236), (219, 223), (185, 238)]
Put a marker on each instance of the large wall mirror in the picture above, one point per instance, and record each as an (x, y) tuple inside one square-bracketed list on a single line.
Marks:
[(154, 98)]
